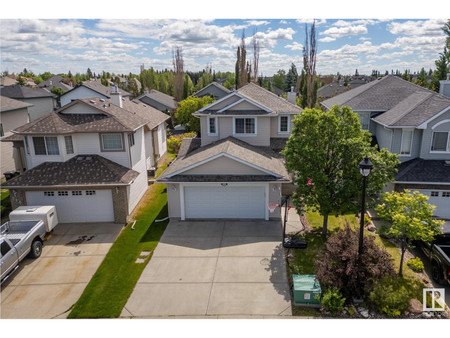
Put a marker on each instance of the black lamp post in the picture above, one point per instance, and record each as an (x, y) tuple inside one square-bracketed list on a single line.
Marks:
[(365, 167)]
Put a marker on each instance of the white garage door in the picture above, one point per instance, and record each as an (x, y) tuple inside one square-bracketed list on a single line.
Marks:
[(73, 206), (225, 202), (441, 199)]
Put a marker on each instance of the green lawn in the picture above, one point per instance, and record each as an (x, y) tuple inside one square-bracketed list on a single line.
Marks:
[(114, 281), (5, 203)]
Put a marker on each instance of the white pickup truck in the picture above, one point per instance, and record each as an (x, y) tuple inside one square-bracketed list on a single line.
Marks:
[(17, 240)]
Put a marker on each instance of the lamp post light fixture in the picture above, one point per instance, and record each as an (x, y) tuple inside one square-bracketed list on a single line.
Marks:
[(365, 167)]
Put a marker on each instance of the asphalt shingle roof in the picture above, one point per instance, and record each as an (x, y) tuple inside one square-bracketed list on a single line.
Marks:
[(420, 170), (7, 104), (167, 100), (81, 170), (98, 87), (204, 90), (23, 92)]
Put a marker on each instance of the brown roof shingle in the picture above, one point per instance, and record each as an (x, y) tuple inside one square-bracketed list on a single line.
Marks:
[(7, 104)]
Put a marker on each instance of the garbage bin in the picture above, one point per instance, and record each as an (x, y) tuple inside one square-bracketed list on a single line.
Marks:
[(10, 174), (307, 290)]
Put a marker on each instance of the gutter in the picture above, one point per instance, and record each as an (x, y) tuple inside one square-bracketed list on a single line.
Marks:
[(66, 186)]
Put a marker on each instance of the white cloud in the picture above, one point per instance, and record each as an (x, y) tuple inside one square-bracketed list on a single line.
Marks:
[(257, 22), (336, 32), (327, 39), (310, 21), (283, 22), (424, 28), (294, 46)]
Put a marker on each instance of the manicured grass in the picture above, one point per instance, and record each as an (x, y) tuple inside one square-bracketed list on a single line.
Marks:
[(5, 203), (334, 223), (114, 281)]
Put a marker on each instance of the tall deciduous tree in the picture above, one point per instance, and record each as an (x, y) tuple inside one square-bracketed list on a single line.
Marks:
[(309, 56), (323, 154), (241, 64), (189, 106), (256, 48), (411, 218), (178, 68)]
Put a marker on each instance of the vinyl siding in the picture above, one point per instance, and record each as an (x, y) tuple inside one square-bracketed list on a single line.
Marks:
[(79, 93), (82, 108), (275, 197), (41, 106), (384, 136), (427, 138), (148, 140), (223, 166), (274, 121), (262, 138), (226, 102), (173, 200)]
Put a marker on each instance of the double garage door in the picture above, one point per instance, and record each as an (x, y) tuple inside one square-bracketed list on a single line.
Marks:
[(248, 202), (441, 199), (73, 206)]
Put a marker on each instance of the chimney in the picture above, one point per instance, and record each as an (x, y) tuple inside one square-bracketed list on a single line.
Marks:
[(292, 96), (146, 91), (116, 97), (444, 88)]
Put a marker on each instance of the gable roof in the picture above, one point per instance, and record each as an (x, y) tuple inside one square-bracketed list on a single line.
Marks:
[(7, 104), (24, 92), (263, 158), (80, 170), (420, 170), (204, 90), (156, 95), (110, 118), (401, 103), (97, 87), (55, 81)]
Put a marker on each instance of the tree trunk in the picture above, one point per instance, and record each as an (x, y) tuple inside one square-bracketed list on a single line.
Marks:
[(325, 225), (403, 248)]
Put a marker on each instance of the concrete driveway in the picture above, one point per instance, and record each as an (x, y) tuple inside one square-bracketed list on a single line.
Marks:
[(48, 286), (214, 269)]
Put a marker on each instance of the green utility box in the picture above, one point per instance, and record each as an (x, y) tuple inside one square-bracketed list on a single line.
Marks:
[(307, 290)]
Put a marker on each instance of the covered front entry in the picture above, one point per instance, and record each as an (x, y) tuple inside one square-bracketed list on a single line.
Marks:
[(224, 200), (74, 206)]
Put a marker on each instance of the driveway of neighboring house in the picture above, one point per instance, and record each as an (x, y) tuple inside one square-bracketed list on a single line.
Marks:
[(48, 286), (215, 269)]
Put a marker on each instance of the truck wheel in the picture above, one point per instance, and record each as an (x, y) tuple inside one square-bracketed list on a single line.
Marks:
[(436, 273), (36, 249)]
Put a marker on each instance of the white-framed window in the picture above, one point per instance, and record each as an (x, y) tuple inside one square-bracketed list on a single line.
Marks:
[(406, 145), (49, 193), (212, 126), (45, 145), (283, 124), (77, 193), (63, 193), (131, 139), (364, 118), (69, 144), (90, 192), (446, 194), (434, 194), (112, 142), (244, 126), (440, 141)]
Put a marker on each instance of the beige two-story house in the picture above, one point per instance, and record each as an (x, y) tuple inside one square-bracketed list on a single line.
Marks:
[(234, 170)]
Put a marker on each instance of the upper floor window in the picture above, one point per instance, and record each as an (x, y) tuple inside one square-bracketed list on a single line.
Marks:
[(283, 124), (364, 118), (407, 136), (131, 139), (440, 141), (46, 145), (212, 126), (69, 144), (245, 126), (112, 142)]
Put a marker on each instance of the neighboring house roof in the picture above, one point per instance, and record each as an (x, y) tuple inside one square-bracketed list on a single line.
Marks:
[(97, 87), (331, 90), (277, 91), (80, 170), (23, 92), (426, 171), (110, 118), (7, 104), (205, 90), (55, 81), (7, 81), (260, 157), (401, 103), (166, 100)]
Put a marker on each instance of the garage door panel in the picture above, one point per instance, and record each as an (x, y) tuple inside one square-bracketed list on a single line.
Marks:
[(441, 202), (225, 202), (97, 207)]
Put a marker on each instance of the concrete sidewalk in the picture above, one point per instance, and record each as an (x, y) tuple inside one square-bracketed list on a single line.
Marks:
[(215, 269)]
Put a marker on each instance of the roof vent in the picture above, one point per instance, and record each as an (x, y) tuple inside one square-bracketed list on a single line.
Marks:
[(80, 158), (102, 100), (104, 106), (447, 163), (31, 209), (92, 101), (88, 158)]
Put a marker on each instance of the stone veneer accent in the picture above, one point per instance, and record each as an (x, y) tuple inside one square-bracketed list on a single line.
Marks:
[(17, 197), (120, 204)]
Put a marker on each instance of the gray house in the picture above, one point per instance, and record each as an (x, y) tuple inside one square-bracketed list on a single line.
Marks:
[(213, 89), (158, 100), (55, 81), (413, 122)]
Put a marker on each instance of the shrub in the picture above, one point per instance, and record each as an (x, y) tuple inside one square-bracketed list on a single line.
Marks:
[(392, 295), (174, 141), (333, 300), (367, 220), (415, 264), (339, 268)]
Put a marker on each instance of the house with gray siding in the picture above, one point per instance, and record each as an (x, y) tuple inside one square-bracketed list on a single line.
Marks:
[(235, 169), (414, 123), (158, 100), (214, 89)]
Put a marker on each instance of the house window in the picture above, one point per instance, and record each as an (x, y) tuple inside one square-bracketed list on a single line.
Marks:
[(131, 139), (90, 192), (283, 124), (407, 136), (435, 194), (212, 126), (440, 141), (63, 193), (69, 144), (47, 145), (49, 193), (245, 126), (364, 118), (446, 194), (76, 193), (27, 146), (1, 130), (112, 142)]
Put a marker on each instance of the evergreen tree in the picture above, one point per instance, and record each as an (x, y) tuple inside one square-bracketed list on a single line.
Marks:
[(88, 74), (291, 78)]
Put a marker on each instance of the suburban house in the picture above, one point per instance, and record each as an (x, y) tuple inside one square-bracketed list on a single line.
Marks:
[(214, 89), (91, 88), (42, 101), (158, 100), (90, 158), (55, 81), (413, 122), (13, 114), (235, 170)]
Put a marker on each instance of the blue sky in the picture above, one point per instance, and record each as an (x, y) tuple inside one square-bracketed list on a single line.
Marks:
[(122, 45)]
